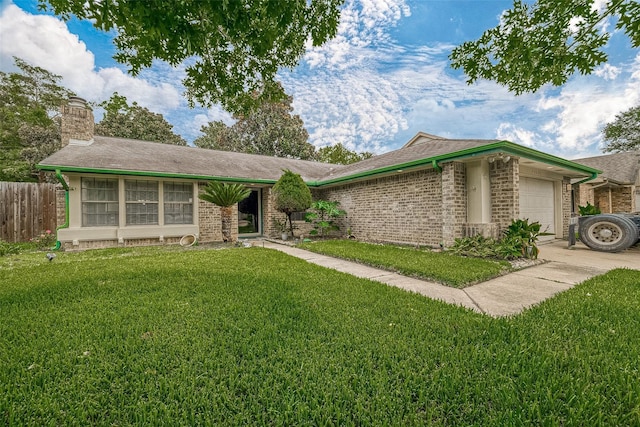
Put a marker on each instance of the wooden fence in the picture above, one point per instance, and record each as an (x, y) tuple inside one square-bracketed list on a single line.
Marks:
[(26, 210)]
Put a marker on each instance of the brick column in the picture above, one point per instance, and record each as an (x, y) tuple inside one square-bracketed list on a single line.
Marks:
[(505, 191), (454, 201)]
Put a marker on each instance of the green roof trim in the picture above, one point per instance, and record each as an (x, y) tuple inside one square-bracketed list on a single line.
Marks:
[(494, 147), (154, 174), (431, 162)]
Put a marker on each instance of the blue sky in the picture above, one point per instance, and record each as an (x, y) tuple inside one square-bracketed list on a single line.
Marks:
[(384, 78)]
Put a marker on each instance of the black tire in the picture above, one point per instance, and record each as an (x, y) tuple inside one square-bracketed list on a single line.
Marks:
[(608, 232)]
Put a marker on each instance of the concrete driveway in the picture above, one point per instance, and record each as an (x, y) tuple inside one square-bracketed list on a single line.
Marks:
[(510, 294), (505, 295)]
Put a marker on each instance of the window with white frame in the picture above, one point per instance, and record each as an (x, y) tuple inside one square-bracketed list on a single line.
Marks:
[(178, 203), (141, 199), (99, 202)]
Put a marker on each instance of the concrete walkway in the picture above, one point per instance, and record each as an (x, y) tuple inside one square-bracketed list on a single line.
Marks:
[(502, 296)]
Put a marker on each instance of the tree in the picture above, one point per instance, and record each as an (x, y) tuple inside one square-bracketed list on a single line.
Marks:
[(225, 196), (340, 155), (270, 130), (623, 134), (323, 216), (545, 42), (291, 195), (234, 48), (133, 121), (29, 119)]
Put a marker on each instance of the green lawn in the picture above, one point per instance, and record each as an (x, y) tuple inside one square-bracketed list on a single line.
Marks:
[(253, 337), (441, 267)]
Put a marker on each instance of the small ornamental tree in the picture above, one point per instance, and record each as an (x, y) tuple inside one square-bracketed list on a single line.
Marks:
[(323, 217), (225, 195), (291, 195)]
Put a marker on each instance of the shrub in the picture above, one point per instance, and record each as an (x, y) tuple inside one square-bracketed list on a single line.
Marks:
[(45, 240), (322, 217), (518, 241), (477, 246), (589, 209), (7, 248), (523, 236), (291, 195)]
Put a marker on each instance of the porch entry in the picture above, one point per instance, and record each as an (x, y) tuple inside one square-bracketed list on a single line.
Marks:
[(250, 215)]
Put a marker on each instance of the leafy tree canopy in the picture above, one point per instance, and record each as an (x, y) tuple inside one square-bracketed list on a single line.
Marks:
[(623, 134), (291, 194), (133, 121), (29, 119), (270, 130), (545, 42), (232, 49), (340, 155)]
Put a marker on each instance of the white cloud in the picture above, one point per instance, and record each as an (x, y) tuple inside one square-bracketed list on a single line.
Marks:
[(607, 72), (45, 41), (363, 24), (584, 106), (510, 132)]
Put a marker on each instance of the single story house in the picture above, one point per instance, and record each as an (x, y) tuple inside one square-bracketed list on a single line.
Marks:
[(429, 192), (617, 188)]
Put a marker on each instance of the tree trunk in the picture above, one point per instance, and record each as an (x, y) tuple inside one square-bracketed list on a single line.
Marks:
[(226, 214)]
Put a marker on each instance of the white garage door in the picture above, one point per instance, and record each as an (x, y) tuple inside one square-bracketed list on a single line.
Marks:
[(537, 202)]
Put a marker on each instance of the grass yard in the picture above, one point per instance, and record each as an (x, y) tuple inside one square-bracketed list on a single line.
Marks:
[(152, 336), (440, 267)]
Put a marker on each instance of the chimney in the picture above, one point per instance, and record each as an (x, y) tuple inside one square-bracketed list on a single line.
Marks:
[(76, 126)]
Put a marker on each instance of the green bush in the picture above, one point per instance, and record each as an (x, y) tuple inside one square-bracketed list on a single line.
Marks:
[(477, 246), (45, 240), (522, 236), (7, 248), (518, 241), (589, 209), (322, 217)]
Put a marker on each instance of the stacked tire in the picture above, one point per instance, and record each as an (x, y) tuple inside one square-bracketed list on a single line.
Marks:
[(609, 232)]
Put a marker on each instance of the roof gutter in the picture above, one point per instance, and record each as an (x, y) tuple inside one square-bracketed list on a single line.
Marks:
[(66, 208), (155, 174), (483, 150), (582, 181), (433, 162)]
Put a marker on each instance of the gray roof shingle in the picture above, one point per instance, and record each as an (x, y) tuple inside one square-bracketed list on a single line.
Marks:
[(619, 167), (119, 155), (127, 155)]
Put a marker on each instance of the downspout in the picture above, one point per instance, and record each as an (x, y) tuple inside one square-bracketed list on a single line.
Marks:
[(436, 166), (582, 181), (66, 208)]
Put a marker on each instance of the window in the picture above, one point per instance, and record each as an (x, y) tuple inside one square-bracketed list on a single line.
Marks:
[(99, 202), (178, 203), (298, 216), (141, 198)]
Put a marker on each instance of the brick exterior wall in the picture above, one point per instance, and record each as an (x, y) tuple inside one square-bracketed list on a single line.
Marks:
[(622, 198), (582, 194), (505, 191), (210, 220), (103, 244), (404, 208), (269, 214)]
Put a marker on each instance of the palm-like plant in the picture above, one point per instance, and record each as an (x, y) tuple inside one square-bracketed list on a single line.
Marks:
[(225, 195)]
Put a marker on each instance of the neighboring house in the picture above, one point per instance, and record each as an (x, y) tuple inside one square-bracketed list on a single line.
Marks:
[(617, 189), (429, 192)]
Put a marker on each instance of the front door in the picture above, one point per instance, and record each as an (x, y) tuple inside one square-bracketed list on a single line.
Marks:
[(249, 218)]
